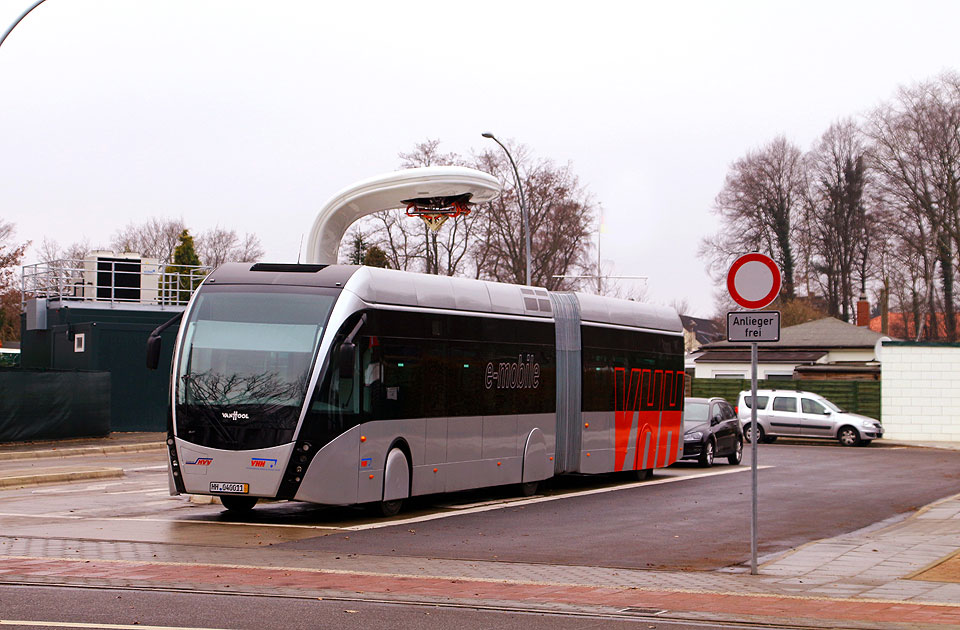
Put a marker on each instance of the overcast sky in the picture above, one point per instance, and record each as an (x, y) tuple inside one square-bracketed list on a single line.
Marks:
[(250, 114)]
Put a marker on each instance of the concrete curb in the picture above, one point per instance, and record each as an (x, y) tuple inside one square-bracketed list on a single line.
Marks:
[(82, 450), (20, 480)]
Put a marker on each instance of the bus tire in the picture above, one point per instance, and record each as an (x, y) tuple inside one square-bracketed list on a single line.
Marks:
[(238, 504), (529, 488), (396, 482), (642, 474), (391, 508)]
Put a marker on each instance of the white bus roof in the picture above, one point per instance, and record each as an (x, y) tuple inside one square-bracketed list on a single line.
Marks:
[(403, 288)]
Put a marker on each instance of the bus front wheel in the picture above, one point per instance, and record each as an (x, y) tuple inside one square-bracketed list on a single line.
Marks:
[(238, 504)]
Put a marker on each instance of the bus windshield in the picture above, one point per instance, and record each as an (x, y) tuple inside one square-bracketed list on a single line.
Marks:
[(245, 364)]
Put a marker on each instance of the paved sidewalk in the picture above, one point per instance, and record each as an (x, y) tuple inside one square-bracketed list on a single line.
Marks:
[(132, 442), (871, 578), (62, 461)]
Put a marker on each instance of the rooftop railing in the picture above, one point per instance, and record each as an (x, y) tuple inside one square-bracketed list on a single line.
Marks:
[(113, 280)]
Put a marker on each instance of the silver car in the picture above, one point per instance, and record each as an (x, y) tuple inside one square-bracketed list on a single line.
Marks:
[(788, 413)]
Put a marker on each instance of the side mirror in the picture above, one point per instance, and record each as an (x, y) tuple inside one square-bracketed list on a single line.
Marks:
[(827, 412), (345, 360), (153, 351), (154, 342), (714, 421)]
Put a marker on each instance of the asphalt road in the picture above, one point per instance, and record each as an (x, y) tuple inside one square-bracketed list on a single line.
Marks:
[(679, 520), (807, 493)]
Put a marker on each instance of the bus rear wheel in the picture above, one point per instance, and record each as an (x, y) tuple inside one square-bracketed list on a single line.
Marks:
[(238, 504), (391, 508)]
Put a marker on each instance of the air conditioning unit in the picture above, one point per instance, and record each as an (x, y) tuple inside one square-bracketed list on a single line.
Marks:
[(126, 277)]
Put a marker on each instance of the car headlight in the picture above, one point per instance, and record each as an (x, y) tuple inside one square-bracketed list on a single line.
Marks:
[(870, 423), (692, 437)]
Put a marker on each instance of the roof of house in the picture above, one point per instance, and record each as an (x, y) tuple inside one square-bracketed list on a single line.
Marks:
[(826, 333), (705, 330), (766, 356)]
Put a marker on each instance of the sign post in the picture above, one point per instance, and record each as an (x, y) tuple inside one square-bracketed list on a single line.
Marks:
[(753, 282)]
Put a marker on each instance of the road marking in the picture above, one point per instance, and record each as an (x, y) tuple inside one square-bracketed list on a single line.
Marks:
[(480, 507), (133, 519), (502, 505), (142, 468), (77, 624), (147, 491), (90, 488)]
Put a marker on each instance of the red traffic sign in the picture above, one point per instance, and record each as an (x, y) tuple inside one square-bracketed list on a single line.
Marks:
[(753, 280)]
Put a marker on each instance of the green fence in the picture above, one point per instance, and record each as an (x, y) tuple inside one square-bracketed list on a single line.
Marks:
[(856, 396)]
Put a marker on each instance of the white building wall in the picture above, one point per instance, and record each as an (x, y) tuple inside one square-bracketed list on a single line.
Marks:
[(742, 370), (840, 356), (920, 392)]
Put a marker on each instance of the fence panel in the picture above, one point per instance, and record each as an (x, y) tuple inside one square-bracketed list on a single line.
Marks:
[(50, 404)]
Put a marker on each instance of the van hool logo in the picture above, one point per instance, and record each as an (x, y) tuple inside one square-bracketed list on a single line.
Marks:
[(521, 374), (235, 415)]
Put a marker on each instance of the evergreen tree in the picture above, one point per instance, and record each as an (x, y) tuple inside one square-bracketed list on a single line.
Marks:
[(185, 263), (376, 257)]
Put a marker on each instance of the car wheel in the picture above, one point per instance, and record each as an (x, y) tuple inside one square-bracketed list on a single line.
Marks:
[(238, 504), (848, 436), (748, 436), (737, 456), (706, 457)]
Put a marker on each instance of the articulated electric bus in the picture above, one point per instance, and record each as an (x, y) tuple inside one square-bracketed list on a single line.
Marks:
[(349, 385)]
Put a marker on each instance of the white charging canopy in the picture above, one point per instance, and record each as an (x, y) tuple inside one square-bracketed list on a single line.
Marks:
[(386, 192)]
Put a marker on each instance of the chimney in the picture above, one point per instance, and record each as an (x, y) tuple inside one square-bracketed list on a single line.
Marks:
[(863, 311)]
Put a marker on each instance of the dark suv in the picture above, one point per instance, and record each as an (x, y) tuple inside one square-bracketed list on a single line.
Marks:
[(711, 429)]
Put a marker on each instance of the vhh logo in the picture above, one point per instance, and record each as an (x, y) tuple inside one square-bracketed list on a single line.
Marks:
[(647, 417)]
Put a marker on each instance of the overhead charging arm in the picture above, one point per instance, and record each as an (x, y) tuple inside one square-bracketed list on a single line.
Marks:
[(386, 192)]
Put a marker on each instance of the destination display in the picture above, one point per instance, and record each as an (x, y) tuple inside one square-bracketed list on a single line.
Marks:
[(753, 326)]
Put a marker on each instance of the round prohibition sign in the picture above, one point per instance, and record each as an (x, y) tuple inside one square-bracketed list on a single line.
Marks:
[(754, 280)]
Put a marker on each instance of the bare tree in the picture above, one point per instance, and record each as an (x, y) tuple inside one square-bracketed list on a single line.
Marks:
[(562, 218), (217, 246), (758, 205), (154, 238), (916, 153), (836, 225), (51, 252)]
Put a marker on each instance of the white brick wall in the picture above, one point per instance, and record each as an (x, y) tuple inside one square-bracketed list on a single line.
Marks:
[(920, 392)]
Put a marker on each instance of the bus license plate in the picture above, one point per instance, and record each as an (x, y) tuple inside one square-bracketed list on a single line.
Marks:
[(229, 488)]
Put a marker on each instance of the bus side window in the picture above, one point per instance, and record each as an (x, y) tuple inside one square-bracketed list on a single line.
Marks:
[(372, 370), (338, 393)]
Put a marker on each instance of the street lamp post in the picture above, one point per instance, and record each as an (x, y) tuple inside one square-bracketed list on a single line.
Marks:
[(523, 206)]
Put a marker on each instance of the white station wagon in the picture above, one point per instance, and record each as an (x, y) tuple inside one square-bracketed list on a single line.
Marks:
[(788, 413)]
